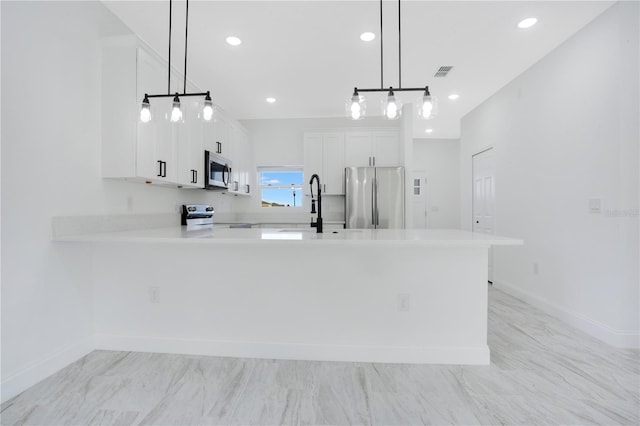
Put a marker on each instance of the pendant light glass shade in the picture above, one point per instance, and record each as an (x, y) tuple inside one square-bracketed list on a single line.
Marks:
[(355, 106), (391, 107), (426, 106), (145, 111), (176, 112), (207, 110)]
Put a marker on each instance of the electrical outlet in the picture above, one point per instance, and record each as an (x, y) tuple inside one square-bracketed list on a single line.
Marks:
[(154, 294), (129, 204), (536, 271), (404, 302)]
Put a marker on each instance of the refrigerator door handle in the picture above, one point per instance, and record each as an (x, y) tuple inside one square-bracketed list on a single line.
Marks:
[(373, 203), (377, 216)]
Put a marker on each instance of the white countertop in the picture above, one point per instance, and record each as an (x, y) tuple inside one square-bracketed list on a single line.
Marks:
[(179, 234)]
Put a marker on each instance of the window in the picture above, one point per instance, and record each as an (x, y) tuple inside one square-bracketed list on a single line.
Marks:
[(281, 186)]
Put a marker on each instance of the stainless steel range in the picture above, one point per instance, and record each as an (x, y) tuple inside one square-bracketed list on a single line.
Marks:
[(197, 216)]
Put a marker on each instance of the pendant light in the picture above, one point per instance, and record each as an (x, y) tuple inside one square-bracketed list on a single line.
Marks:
[(176, 107), (426, 105), (356, 106), (207, 111), (145, 111), (391, 106)]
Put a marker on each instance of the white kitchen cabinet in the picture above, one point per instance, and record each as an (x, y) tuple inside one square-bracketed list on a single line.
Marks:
[(190, 145), (358, 148), (372, 148), (220, 141), (160, 152), (324, 156), (242, 167), (143, 152)]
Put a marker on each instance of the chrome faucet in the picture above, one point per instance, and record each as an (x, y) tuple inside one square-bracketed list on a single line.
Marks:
[(318, 223)]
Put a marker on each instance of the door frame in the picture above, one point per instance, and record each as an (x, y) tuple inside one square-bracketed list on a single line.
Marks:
[(482, 151), (424, 193)]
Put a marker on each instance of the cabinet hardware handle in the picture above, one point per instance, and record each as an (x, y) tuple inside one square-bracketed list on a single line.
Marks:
[(373, 205), (159, 168), (374, 161), (195, 179)]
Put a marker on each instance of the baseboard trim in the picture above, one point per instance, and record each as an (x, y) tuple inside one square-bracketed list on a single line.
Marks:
[(609, 335), (351, 353), (41, 369)]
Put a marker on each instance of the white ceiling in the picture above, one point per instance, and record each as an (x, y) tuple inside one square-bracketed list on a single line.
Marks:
[(308, 54)]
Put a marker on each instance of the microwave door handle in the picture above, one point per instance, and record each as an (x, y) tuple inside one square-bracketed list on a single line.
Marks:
[(228, 170)]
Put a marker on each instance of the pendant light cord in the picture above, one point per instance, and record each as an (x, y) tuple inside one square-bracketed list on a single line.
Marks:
[(169, 69), (381, 51), (399, 50), (186, 34)]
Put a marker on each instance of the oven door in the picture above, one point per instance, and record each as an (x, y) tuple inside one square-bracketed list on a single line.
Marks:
[(218, 171)]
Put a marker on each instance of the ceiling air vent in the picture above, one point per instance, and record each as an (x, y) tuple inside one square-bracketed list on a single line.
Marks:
[(443, 71)]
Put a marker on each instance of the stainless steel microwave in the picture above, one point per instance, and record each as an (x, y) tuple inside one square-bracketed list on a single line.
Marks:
[(217, 171)]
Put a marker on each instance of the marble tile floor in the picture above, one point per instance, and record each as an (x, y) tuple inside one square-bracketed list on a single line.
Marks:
[(542, 372)]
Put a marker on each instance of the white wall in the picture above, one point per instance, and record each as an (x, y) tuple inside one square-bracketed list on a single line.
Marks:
[(566, 131), (440, 159), (51, 167), (280, 142)]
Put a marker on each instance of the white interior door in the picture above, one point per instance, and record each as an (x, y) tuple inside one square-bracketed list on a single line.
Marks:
[(484, 197), (419, 198)]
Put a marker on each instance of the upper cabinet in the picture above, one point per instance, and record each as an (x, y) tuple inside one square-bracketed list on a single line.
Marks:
[(190, 144), (328, 153), (159, 152), (324, 156), (242, 169), (146, 152), (372, 148)]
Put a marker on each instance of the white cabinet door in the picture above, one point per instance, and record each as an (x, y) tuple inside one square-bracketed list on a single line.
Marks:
[(386, 149), (190, 151), (244, 151), (210, 130), (357, 149), (324, 156), (151, 78), (374, 148), (313, 158), (223, 140), (235, 143), (333, 163)]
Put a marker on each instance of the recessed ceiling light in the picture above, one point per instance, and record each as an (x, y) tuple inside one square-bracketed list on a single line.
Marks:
[(270, 100), (429, 130), (454, 96), (367, 36), (527, 23), (234, 41)]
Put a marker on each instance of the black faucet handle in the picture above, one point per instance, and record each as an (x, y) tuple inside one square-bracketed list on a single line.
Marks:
[(313, 206)]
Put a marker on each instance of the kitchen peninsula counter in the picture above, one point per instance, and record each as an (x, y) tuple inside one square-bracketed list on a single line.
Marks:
[(397, 296), (180, 235)]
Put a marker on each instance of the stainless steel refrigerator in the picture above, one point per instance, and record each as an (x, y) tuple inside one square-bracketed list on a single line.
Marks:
[(374, 197)]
